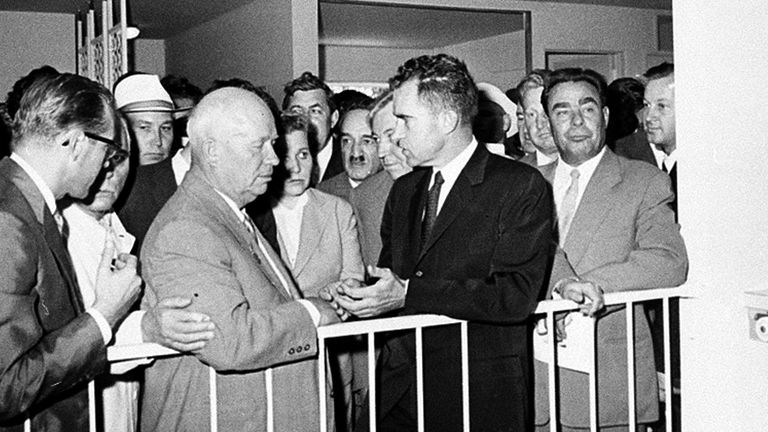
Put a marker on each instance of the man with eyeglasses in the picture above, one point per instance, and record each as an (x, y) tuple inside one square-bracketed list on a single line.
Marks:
[(358, 151), (52, 345)]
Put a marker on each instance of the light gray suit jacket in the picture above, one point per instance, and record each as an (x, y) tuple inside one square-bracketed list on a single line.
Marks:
[(337, 185), (329, 249), (197, 248), (622, 237), (368, 201)]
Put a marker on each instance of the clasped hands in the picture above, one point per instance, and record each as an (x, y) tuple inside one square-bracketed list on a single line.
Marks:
[(351, 298)]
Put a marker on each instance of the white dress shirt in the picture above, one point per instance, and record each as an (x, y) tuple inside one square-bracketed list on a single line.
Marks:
[(50, 201), (180, 164), (542, 159), (288, 221), (663, 159), (450, 172), (324, 157), (563, 179)]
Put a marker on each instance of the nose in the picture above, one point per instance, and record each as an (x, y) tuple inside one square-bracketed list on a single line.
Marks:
[(356, 151), (542, 122), (270, 157), (292, 165), (577, 119)]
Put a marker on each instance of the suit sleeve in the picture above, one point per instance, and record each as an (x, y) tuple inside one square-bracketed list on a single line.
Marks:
[(658, 258), (352, 259), (518, 267), (202, 267), (36, 364)]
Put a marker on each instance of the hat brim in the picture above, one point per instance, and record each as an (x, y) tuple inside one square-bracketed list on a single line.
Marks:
[(149, 106)]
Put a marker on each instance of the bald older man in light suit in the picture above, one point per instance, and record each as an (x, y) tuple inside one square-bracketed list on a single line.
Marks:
[(203, 245)]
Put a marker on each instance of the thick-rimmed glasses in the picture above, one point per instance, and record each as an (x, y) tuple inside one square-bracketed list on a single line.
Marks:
[(115, 154)]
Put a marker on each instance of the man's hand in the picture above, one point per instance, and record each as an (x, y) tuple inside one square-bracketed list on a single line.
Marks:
[(328, 314), (330, 291), (117, 284), (369, 301), (589, 295), (168, 324), (561, 321)]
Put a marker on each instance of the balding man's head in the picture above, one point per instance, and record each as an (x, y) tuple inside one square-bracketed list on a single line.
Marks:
[(231, 134)]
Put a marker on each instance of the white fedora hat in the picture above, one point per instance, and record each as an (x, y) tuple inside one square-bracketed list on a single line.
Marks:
[(495, 94), (142, 93)]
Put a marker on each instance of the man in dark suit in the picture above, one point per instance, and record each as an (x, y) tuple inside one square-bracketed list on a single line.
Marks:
[(309, 95), (470, 238), (63, 135), (617, 233)]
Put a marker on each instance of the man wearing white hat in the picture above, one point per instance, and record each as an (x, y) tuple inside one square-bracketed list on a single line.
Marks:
[(149, 110)]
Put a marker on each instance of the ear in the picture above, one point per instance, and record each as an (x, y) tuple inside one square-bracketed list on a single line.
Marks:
[(507, 123), (334, 119), (606, 114), (448, 121), (211, 151), (75, 141)]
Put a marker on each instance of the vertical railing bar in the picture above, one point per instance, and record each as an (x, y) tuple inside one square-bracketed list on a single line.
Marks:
[(92, 406), (321, 379), (270, 401), (552, 368), (28, 425), (419, 379), (630, 313), (372, 381), (214, 400), (593, 379), (465, 373), (669, 391)]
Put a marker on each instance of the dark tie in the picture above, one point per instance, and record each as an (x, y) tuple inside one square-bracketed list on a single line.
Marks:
[(430, 214), (62, 224)]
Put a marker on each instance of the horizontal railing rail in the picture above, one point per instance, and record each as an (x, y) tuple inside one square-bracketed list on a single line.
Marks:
[(417, 323)]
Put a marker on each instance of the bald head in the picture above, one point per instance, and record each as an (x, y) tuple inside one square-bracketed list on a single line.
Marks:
[(231, 134)]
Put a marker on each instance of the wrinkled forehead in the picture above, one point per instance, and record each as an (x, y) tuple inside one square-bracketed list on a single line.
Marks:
[(355, 122)]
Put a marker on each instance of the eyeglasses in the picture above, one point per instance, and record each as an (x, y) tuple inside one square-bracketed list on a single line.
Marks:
[(114, 154)]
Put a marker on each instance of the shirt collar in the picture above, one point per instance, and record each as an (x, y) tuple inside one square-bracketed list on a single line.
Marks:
[(240, 213), (324, 156), (45, 191), (542, 159), (586, 169), (452, 169)]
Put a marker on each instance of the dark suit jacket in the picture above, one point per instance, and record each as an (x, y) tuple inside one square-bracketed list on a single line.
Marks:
[(151, 187), (623, 237), (336, 163), (635, 146), (485, 262), (51, 348)]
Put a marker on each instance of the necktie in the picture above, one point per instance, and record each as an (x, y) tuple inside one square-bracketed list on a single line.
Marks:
[(433, 197), (568, 206), (251, 227), (62, 224)]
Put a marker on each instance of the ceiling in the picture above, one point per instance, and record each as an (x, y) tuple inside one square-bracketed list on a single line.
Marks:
[(159, 19)]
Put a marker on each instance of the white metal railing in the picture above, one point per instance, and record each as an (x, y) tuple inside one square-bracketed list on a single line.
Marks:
[(417, 323)]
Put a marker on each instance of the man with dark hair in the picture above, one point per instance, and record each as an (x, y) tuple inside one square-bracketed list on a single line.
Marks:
[(63, 133), (616, 233), (185, 95), (469, 237), (535, 119), (309, 95), (358, 151)]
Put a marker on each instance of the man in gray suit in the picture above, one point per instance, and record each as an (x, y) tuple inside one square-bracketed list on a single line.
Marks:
[(203, 245), (617, 233)]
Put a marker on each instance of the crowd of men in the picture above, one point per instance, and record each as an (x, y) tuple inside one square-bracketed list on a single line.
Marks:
[(468, 202)]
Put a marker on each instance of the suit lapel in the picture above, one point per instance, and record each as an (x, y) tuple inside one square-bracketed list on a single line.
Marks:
[(49, 228), (413, 220), (311, 233), (594, 206), (459, 196)]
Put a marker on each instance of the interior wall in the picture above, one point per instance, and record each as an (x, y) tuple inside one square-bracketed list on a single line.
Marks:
[(363, 64), (149, 56), (253, 42), (723, 208), (29, 40), (498, 60), (577, 27)]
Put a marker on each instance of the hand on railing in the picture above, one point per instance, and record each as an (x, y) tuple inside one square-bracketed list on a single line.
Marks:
[(587, 294), (168, 324)]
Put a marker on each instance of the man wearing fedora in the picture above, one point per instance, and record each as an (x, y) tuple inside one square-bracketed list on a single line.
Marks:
[(149, 109)]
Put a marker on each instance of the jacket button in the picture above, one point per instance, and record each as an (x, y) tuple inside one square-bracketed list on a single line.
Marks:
[(291, 351), (306, 347), (299, 349), (419, 273)]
